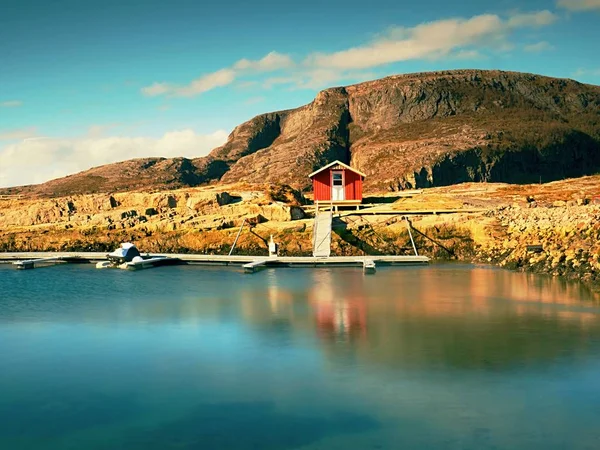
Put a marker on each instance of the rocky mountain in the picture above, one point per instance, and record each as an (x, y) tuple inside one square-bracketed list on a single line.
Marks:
[(405, 131), (142, 173), (427, 129)]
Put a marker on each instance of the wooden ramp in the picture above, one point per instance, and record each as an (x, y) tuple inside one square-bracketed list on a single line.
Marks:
[(322, 234), (254, 265), (368, 266), (31, 263)]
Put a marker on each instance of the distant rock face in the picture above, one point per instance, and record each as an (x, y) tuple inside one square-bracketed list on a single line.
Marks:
[(429, 129), (124, 176), (403, 131), (301, 140)]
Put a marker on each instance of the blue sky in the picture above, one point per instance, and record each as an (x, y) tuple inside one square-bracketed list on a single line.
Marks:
[(85, 83)]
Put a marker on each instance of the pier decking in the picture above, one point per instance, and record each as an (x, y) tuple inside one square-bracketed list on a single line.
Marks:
[(252, 262)]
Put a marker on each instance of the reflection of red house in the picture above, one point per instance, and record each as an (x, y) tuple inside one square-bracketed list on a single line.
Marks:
[(337, 183), (340, 311), (341, 319)]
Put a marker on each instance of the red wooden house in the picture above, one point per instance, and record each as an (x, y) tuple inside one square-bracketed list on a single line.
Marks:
[(337, 183)]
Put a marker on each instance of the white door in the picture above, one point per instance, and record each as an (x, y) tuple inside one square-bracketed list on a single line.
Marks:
[(337, 186)]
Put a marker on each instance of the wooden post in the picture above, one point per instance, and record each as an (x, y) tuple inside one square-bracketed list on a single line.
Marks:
[(411, 236), (237, 237)]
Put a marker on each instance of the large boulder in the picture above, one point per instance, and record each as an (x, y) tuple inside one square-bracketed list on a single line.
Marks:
[(199, 201)]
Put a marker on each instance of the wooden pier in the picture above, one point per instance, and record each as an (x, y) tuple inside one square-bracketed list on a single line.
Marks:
[(31, 263), (249, 263), (45, 259), (254, 265)]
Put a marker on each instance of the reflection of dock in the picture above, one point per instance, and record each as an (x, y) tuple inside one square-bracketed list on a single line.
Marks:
[(31, 258)]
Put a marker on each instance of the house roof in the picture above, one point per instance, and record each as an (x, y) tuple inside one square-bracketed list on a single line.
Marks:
[(336, 163)]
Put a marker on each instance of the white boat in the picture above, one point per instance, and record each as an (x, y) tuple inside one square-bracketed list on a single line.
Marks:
[(128, 257)]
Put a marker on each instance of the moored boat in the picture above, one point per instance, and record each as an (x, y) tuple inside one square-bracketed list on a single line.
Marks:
[(127, 256)]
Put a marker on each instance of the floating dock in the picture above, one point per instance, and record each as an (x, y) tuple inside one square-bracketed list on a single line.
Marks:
[(31, 263), (250, 264), (254, 265), (368, 266), (45, 259)]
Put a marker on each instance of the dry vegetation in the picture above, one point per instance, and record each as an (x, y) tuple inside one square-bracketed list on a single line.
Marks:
[(563, 216)]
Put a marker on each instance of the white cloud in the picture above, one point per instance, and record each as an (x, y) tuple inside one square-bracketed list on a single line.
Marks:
[(198, 86), (96, 131), (206, 83), (538, 47), (587, 73), (20, 133), (318, 78), (11, 103), (248, 84), (460, 38), (579, 5), (431, 40), (535, 19), (155, 89), (271, 62), (41, 159)]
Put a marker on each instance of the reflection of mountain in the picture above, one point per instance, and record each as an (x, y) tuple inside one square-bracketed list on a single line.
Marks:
[(452, 316), (459, 317)]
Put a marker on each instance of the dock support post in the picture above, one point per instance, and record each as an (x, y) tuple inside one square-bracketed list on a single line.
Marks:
[(237, 237), (408, 225)]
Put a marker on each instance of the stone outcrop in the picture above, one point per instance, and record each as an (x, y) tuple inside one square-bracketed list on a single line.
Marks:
[(562, 239), (202, 208)]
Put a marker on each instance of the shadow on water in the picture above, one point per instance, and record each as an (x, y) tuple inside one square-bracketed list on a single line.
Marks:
[(244, 426)]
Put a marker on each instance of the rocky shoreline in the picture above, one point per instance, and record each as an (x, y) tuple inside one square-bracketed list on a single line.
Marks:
[(560, 240), (514, 231)]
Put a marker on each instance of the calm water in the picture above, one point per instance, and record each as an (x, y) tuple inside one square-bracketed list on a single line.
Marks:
[(441, 357)]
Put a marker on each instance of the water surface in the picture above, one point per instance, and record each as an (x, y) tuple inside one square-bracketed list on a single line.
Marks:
[(444, 357)]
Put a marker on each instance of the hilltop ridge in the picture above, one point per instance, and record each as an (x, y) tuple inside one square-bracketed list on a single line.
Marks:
[(403, 131)]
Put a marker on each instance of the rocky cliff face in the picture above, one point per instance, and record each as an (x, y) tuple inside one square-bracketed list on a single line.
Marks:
[(434, 129), (405, 131), (288, 145)]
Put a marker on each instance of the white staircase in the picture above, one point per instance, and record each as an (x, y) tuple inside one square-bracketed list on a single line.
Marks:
[(322, 234)]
